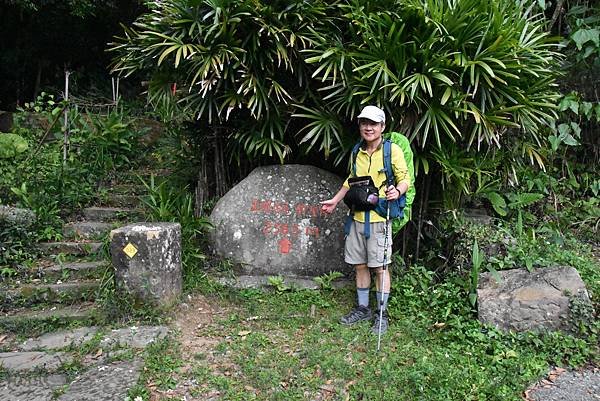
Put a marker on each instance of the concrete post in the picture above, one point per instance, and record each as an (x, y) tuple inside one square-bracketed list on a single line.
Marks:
[(147, 261)]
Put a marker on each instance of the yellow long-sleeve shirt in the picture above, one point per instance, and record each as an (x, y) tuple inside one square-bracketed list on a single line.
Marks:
[(372, 165)]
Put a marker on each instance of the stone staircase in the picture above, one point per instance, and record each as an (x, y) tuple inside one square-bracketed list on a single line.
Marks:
[(59, 291), (62, 286)]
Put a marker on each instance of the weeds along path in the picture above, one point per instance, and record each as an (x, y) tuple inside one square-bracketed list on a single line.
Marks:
[(288, 345), (253, 345)]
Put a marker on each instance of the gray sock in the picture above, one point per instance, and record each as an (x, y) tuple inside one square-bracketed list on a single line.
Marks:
[(363, 296), (386, 295)]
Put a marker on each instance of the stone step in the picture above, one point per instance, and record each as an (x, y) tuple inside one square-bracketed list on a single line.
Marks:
[(70, 248), (108, 214), (32, 293), (38, 387), (72, 270), (33, 361), (146, 173), (17, 318), (127, 189), (123, 201), (127, 337), (106, 382), (261, 281), (86, 229)]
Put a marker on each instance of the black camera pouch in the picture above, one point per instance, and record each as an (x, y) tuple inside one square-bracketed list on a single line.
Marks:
[(362, 195)]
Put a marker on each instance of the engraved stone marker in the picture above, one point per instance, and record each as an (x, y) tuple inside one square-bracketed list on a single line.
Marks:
[(271, 223), (147, 261)]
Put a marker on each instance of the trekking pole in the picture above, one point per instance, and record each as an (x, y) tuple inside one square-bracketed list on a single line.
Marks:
[(385, 248)]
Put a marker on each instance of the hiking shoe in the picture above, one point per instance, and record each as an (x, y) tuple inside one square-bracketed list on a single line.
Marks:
[(356, 315), (384, 323)]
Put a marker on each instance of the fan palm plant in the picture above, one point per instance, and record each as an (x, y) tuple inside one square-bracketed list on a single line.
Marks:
[(235, 63), (461, 70), (272, 76)]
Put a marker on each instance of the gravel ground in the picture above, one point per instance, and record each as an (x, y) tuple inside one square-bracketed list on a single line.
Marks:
[(567, 386)]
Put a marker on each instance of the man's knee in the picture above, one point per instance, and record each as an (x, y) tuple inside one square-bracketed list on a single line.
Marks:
[(361, 268)]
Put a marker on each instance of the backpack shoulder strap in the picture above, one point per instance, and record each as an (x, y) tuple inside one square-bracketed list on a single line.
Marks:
[(387, 162), (354, 154)]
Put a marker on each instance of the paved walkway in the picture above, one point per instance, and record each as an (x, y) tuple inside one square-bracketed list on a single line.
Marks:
[(32, 369), (562, 385)]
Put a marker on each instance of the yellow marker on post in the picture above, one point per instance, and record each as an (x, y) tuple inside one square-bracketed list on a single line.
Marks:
[(130, 250)]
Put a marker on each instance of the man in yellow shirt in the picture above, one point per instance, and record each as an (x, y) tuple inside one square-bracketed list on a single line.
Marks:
[(367, 251)]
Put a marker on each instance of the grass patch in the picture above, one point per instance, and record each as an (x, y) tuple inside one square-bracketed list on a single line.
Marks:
[(288, 345)]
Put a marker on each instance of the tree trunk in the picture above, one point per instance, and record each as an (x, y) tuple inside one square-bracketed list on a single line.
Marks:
[(556, 14), (220, 168), (201, 188), (38, 80), (422, 211)]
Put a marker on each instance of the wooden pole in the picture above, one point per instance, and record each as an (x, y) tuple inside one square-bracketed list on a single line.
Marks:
[(66, 123)]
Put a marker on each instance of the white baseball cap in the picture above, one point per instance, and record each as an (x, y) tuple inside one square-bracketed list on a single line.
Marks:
[(372, 113)]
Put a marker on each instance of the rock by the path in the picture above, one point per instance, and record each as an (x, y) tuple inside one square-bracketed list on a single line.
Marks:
[(30, 388), (479, 216), (569, 386), (271, 223), (60, 339), (537, 300), (152, 130), (16, 216), (6, 121), (27, 361), (105, 382), (147, 261)]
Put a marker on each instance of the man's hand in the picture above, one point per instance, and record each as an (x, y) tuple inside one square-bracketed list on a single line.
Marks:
[(392, 193), (328, 205)]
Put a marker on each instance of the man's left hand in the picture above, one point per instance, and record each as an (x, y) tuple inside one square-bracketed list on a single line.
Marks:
[(392, 193)]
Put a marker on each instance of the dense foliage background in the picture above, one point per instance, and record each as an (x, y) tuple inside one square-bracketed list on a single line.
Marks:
[(475, 85), (495, 96)]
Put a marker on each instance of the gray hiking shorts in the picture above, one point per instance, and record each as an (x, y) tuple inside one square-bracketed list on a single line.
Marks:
[(360, 250)]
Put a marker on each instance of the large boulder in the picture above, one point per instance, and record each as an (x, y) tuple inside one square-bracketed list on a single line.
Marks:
[(540, 300), (271, 223)]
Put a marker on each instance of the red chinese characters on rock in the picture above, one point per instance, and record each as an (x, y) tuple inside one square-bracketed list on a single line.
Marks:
[(270, 228), (285, 230), (284, 209), (304, 210), (270, 207)]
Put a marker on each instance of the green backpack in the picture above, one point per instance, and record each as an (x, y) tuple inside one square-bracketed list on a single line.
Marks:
[(404, 144)]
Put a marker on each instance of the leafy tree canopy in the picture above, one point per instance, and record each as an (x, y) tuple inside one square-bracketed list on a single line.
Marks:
[(277, 73)]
